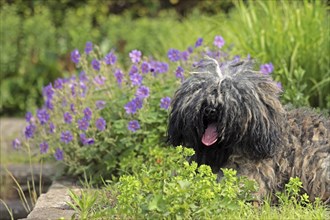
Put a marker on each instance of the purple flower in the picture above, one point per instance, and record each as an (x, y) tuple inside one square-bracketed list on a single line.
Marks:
[(58, 154), (279, 85), (100, 104), (134, 69), (119, 76), (130, 107), (16, 144), (162, 67), (96, 65), (110, 58), (185, 55), (99, 80), (267, 68), (219, 41), (49, 104), (135, 56), (88, 113), (86, 141), (28, 116), (29, 131), (88, 47), (72, 108), (133, 125), (173, 55), (83, 124), (100, 124), (67, 117), (145, 67), (43, 116), (75, 56), (58, 84), (136, 79), (66, 137), (179, 73), (236, 58), (165, 103), (199, 42), (73, 90), (138, 102), (51, 127), (83, 89), (142, 92), (48, 91), (44, 147), (83, 76), (190, 50)]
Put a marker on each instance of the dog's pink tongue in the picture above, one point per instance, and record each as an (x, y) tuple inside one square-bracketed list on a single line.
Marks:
[(210, 136)]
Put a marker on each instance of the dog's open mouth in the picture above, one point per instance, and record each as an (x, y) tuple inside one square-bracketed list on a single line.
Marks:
[(210, 135)]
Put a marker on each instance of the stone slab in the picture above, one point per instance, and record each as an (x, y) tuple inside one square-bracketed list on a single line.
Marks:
[(53, 204)]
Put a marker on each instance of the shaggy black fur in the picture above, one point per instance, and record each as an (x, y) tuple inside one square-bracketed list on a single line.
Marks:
[(254, 132)]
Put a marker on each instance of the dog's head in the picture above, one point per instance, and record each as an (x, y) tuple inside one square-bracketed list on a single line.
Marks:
[(227, 107)]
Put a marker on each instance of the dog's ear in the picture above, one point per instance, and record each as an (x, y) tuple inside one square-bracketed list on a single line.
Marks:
[(267, 117), (252, 115)]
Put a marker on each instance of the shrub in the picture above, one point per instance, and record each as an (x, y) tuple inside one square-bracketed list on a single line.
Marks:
[(167, 186)]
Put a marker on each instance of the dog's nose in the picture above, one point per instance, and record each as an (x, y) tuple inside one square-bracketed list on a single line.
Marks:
[(210, 111)]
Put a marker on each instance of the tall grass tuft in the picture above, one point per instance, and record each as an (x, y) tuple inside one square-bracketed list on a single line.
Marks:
[(294, 35)]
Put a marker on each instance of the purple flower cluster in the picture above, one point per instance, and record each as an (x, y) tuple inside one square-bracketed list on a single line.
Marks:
[(199, 42), (75, 56), (173, 55), (219, 41), (267, 68), (86, 141), (134, 105), (135, 56), (96, 65), (165, 103), (100, 104), (133, 125), (58, 154), (100, 124), (142, 92), (44, 147), (88, 47), (119, 76), (16, 144), (83, 124), (66, 137), (43, 116), (67, 118), (110, 58), (179, 73), (136, 79)]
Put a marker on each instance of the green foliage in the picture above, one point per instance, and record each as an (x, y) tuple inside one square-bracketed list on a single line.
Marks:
[(294, 36), (166, 186)]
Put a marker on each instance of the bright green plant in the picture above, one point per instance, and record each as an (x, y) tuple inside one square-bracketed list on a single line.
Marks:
[(166, 186), (294, 36)]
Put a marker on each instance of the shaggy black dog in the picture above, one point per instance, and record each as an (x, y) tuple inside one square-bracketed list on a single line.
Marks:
[(232, 117)]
